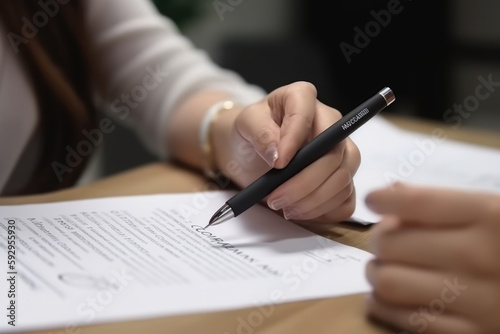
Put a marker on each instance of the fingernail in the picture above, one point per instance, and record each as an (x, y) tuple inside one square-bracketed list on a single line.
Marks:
[(271, 154), (290, 214), (279, 203)]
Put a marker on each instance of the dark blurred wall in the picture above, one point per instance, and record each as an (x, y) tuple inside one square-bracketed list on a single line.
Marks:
[(371, 44)]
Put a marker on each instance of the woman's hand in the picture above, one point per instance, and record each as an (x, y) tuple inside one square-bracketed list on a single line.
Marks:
[(269, 133), (437, 266)]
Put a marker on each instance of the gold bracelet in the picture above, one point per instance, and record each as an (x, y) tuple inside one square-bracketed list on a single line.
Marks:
[(209, 168)]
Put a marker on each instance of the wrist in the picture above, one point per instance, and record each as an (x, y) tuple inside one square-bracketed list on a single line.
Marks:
[(216, 125), (223, 140)]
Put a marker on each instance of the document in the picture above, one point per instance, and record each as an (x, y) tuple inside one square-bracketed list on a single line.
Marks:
[(391, 154), (78, 263)]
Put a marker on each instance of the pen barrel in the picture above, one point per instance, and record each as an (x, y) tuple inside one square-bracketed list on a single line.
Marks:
[(311, 152)]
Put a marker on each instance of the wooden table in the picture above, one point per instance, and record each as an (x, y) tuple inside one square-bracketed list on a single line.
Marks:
[(341, 315)]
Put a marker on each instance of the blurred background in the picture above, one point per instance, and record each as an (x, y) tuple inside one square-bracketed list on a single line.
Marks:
[(433, 54)]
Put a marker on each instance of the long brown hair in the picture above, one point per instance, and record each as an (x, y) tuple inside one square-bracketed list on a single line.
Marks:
[(59, 62)]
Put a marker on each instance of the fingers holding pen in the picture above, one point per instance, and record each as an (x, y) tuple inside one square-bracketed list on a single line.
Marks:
[(300, 194), (277, 128), (324, 191)]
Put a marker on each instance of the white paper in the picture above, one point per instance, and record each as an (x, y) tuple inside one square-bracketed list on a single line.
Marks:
[(93, 261), (390, 154)]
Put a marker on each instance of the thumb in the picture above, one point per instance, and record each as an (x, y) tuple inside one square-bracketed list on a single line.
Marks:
[(294, 106)]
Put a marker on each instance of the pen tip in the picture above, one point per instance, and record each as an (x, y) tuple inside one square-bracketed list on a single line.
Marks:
[(210, 223), (223, 214)]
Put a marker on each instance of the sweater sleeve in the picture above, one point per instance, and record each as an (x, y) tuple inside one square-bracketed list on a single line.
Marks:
[(148, 67)]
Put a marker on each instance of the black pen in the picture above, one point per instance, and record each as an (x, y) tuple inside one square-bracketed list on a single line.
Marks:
[(312, 151)]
